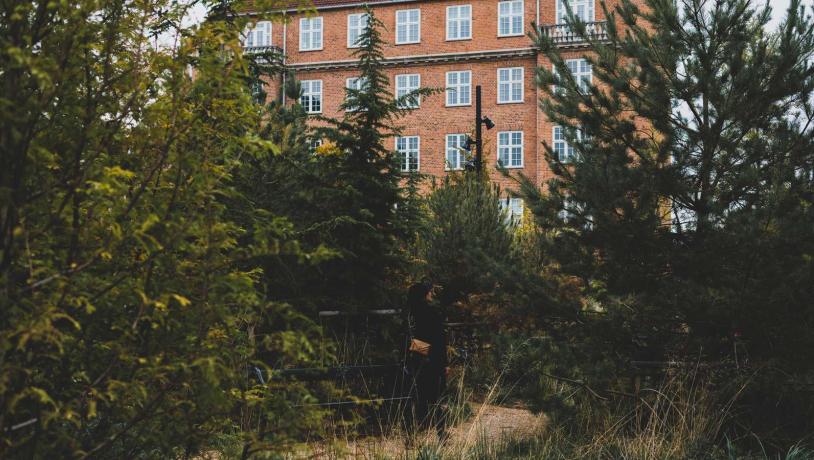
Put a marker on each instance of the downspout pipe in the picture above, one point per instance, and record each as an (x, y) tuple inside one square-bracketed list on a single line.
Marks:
[(285, 56)]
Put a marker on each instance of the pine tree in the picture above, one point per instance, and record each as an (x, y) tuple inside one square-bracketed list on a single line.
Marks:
[(466, 243), (686, 211)]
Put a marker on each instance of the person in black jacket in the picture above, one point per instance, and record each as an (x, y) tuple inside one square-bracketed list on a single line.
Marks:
[(426, 369)]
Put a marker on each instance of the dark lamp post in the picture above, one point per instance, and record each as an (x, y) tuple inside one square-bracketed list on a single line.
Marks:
[(480, 120)]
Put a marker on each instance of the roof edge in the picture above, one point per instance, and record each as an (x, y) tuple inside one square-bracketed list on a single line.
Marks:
[(348, 4)]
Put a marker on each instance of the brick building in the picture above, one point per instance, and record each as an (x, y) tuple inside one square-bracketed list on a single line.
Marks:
[(451, 44)]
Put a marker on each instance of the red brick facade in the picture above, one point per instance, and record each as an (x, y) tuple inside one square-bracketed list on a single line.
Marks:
[(482, 54)]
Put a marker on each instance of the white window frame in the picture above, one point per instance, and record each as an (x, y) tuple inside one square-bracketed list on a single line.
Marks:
[(579, 72), (358, 29), (509, 147), (400, 91), (458, 21), (510, 17), (571, 209), (561, 12), (455, 149), (250, 35), (307, 89), (408, 151), (314, 144), (454, 89), (407, 24), (561, 145), (312, 32), (511, 82), (513, 208), (356, 82)]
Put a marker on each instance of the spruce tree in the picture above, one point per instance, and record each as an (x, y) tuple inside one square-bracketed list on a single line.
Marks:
[(349, 194)]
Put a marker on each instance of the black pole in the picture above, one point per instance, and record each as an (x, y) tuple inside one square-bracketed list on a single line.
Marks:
[(478, 139)]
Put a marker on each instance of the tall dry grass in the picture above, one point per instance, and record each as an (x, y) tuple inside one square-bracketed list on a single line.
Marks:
[(683, 418)]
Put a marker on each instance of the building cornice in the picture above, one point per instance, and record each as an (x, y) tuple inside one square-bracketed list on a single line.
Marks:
[(423, 59), (333, 7)]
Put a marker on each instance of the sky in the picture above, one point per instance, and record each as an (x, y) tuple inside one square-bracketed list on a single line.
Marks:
[(779, 8)]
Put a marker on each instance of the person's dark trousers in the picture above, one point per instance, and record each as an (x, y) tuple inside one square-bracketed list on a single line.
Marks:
[(426, 386)]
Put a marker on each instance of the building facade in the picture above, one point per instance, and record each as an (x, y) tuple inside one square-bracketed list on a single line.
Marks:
[(450, 44)]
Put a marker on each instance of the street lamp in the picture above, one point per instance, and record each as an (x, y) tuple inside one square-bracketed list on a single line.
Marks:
[(480, 120)]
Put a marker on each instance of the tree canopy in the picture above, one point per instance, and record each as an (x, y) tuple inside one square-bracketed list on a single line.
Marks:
[(685, 209)]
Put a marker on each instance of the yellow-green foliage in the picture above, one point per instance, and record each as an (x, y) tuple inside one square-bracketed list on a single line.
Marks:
[(129, 299)]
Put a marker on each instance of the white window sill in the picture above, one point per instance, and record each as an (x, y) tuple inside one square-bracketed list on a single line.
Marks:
[(458, 105), (510, 35), (458, 39), (308, 50), (408, 43), (510, 102)]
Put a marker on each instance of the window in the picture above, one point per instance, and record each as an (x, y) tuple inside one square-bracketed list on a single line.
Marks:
[(256, 87), (310, 34), (406, 84), (567, 210), (311, 95), (356, 25), (582, 72), (407, 150), (513, 209), (510, 85), (459, 88), (510, 149), (582, 9), (408, 26), (353, 83), (258, 36), (356, 83), (459, 22), (314, 144), (563, 150), (510, 18), (456, 156)]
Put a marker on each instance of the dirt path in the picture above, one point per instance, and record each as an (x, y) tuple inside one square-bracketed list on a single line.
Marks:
[(487, 422), (494, 422)]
